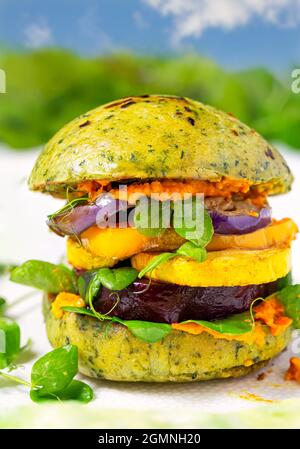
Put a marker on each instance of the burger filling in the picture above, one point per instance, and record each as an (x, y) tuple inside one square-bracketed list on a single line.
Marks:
[(226, 273)]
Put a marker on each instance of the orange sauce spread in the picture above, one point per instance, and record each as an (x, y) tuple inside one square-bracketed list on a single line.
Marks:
[(293, 373), (271, 313), (93, 188), (65, 299), (257, 335), (171, 189), (224, 188)]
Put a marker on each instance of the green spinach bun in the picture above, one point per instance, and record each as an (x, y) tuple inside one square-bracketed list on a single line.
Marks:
[(158, 137)]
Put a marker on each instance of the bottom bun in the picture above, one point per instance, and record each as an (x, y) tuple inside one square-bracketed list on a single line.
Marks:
[(110, 351)]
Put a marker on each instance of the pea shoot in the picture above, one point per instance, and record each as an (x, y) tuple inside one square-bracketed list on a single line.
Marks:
[(185, 224), (9, 341), (52, 377)]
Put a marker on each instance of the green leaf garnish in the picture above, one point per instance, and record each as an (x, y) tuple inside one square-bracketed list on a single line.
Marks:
[(93, 290), (94, 287), (189, 249), (285, 281), (146, 330), (149, 216), (52, 377), (290, 298), (80, 310), (45, 276), (15, 379), (83, 282), (151, 332), (55, 370), (233, 325), (117, 278), (79, 391), (9, 341), (69, 206), (89, 283), (187, 224), (157, 260), (75, 391)]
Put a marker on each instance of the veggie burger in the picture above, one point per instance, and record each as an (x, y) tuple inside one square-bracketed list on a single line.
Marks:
[(179, 271)]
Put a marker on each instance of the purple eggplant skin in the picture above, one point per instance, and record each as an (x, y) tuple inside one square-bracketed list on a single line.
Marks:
[(171, 303), (77, 220), (229, 224), (106, 211)]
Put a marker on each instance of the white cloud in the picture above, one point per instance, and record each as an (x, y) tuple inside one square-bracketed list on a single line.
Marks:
[(38, 34), (139, 20), (93, 33), (193, 17)]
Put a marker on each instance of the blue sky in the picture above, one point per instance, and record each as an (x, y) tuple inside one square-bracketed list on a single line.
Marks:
[(236, 33)]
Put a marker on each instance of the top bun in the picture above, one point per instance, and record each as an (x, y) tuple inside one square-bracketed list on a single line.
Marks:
[(157, 137)]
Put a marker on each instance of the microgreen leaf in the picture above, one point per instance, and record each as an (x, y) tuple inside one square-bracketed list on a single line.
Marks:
[(75, 391), (45, 276), (232, 325), (285, 281), (152, 332), (80, 310), (187, 223), (189, 249), (117, 278), (94, 287), (69, 206), (83, 282), (93, 290), (15, 379), (157, 260), (192, 222), (149, 217), (290, 298), (52, 377), (42, 395), (9, 341), (79, 391), (55, 370), (146, 330)]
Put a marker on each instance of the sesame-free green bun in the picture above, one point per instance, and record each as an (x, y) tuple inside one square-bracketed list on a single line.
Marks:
[(110, 351), (157, 137)]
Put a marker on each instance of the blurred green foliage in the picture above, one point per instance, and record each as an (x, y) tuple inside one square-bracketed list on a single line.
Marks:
[(47, 88)]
